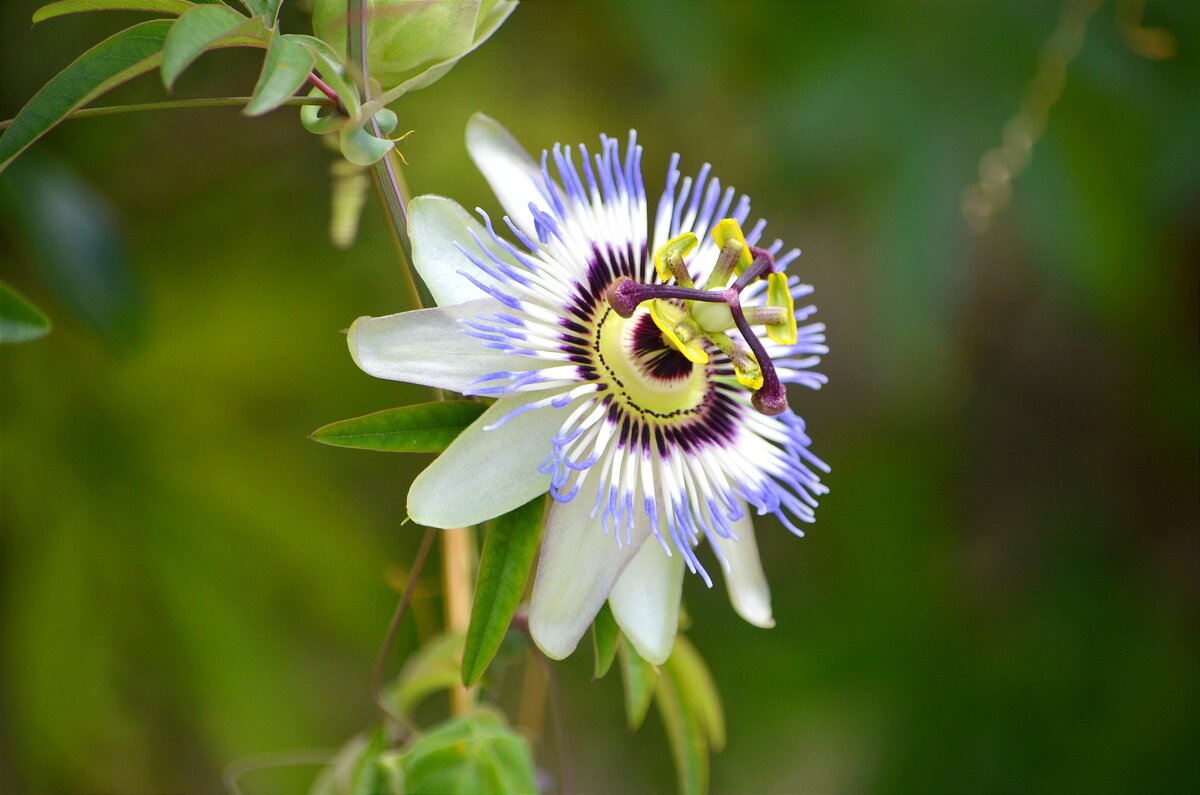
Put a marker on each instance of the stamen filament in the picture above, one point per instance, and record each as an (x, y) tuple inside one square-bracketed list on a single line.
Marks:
[(731, 252), (766, 315), (679, 270)]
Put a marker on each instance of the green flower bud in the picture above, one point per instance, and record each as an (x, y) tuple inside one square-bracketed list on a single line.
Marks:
[(412, 43), (387, 121)]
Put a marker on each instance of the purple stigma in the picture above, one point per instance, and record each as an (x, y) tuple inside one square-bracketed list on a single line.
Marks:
[(625, 295), (770, 400)]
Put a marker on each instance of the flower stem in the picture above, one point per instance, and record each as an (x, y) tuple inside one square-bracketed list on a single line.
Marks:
[(458, 552), (457, 544), (388, 179)]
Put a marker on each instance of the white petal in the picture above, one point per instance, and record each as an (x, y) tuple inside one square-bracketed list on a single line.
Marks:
[(428, 346), (514, 177), (645, 601), (745, 581), (435, 225), (576, 572), (483, 473)]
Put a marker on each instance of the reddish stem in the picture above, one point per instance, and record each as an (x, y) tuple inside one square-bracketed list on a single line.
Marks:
[(327, 90)]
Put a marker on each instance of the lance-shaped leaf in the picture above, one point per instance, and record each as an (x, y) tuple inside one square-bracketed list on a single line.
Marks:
[(699, 690), (20, 321), (192, 34), (685, 731), (330, 66), (432, 668), (639, 678), (507, 557), (286, 67), (121, 57), (422, 428), (605, 636), (468, 755), (64, 7), (72, 237)]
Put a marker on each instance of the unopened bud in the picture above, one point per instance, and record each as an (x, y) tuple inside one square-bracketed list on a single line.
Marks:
[(412, 43)]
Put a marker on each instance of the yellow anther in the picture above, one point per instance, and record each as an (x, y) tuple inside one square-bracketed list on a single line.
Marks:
[(680, 246), (729, 229), (749, 375), (669, 318), (745, 366), (779, 295)]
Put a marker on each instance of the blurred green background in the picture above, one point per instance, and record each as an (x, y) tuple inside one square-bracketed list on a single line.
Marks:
[(1001, 592)]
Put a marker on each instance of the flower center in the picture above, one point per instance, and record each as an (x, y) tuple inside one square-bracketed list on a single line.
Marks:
[(689, 316), (649, 375)]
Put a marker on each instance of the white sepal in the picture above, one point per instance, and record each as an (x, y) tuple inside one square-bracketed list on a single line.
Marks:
[(744, 578), (429, 347), (436, 227), (578, 567), (512, 174), (483, 473), (645, 601)]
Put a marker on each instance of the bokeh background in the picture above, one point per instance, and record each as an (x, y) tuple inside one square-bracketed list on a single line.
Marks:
[(1001, 592)]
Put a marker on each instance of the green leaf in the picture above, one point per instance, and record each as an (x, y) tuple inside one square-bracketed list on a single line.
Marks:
[(115, 60), (287, 66), (391, 768), (366, 776), (329, 64), (268, 9), (432, 668), (423, 428), (639, 678), (64, 7), (465, 756), (357, 769), (508, 552), (689, 748), (192, 34), (20, 321), (72, 237), (318, 46), (605, 635), (699, 689)]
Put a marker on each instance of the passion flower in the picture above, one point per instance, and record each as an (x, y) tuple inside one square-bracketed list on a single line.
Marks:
[(639, 377)]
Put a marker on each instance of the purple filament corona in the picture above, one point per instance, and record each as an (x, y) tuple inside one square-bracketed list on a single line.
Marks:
[(687, 470)]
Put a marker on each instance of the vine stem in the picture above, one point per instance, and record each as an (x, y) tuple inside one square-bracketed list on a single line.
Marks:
[(393, 627), (176, 104), (457, 544)]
